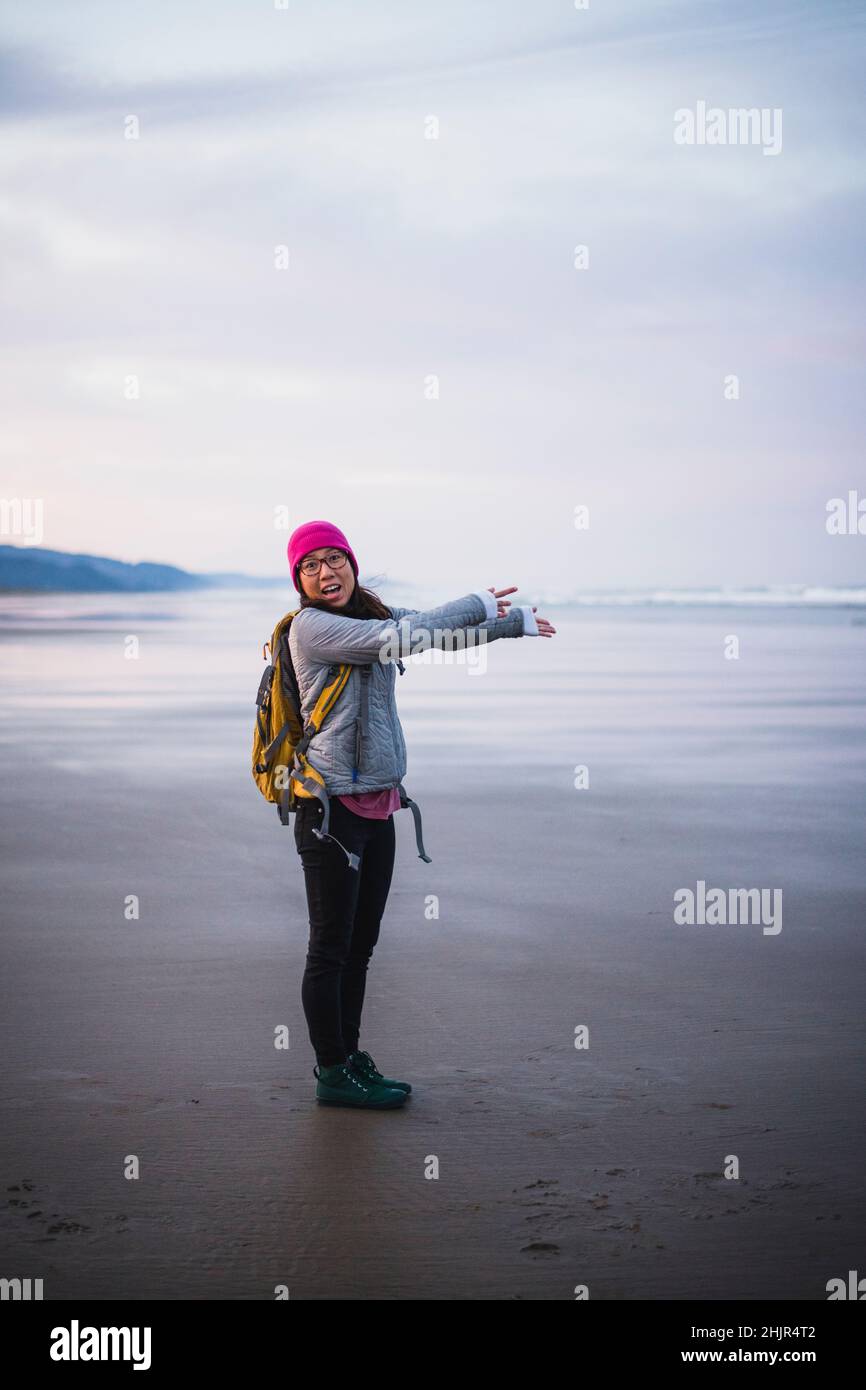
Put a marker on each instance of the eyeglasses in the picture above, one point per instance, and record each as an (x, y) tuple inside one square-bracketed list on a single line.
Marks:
[(335, 559)]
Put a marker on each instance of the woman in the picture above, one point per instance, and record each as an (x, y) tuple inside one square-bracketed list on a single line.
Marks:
[(361, 755)]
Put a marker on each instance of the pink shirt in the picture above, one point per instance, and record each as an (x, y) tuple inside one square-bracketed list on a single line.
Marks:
[(374, 805)]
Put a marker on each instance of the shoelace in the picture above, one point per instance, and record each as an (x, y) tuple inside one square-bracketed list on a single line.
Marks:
[(347, 1071)]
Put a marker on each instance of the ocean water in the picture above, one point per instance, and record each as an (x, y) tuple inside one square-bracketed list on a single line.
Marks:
[(156, 686)]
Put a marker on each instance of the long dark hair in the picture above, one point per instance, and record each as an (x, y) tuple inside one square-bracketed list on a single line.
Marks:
[(364, 603)]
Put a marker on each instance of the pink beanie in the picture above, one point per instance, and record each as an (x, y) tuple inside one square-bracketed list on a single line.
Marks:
[(311, 536)]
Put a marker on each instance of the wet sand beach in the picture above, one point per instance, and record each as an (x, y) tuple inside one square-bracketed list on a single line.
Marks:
[(557, 1166)]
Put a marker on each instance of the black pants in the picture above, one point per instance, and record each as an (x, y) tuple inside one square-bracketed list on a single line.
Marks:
[(345, 907)]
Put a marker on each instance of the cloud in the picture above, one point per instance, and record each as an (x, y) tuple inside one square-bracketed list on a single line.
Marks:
[(454, 257)]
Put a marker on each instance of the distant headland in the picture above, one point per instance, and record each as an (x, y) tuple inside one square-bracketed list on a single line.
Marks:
[(33, 569)]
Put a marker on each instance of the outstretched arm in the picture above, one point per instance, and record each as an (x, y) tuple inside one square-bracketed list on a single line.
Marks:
[(498, 622), (330, 637)]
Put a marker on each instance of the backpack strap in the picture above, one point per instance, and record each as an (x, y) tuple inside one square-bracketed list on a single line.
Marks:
[(318, 790), (406, 800), (314, 784), (328, 697), (272, 749)]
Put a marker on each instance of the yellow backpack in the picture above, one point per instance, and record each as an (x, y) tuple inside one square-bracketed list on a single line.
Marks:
[(280, 767)]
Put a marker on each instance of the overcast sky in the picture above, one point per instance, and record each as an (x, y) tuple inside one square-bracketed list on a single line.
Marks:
[(411, 258)]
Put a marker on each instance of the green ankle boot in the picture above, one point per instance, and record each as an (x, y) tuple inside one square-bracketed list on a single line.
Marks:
[(363, 1064), (342, 1085)]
